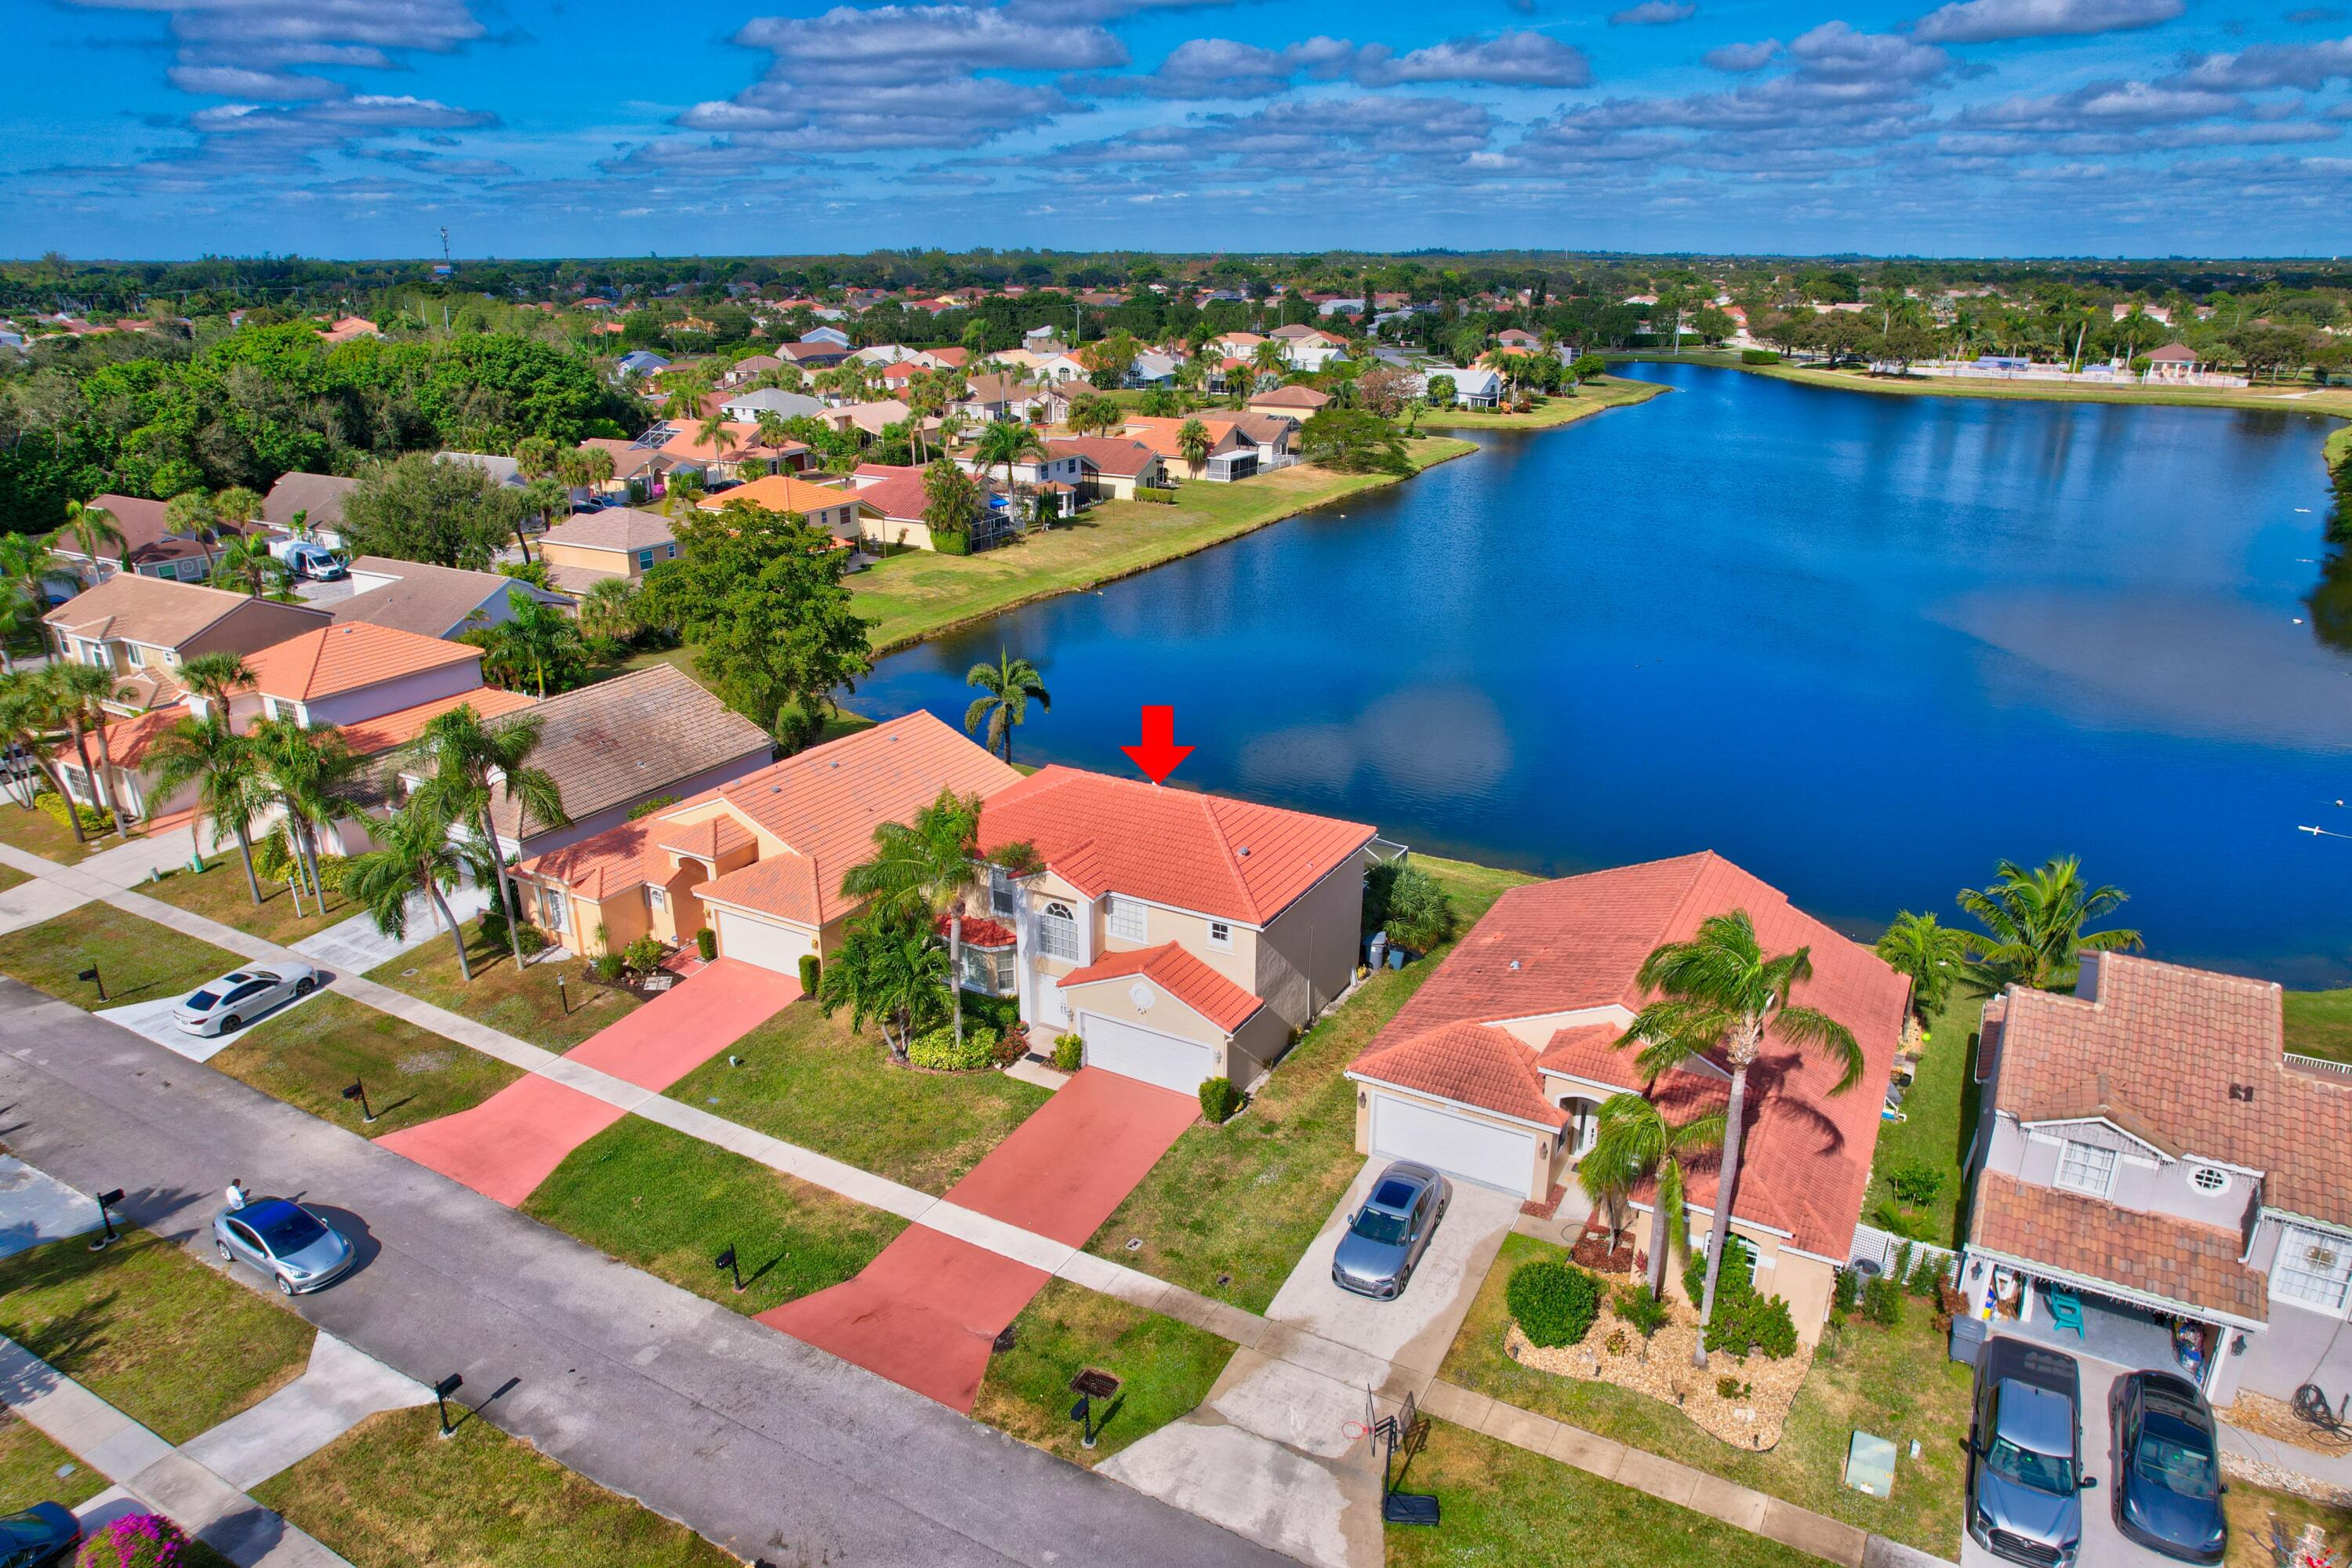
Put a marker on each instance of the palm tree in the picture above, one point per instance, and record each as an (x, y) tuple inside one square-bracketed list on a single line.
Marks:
[(543, 498), (304, 770), (470, 760), (1718, 996), (1267, 360), (1635, 1144), (1192, 440), (82, 691), (535, 641), (206, 752), (92, 529), (2035, 920), (887, 969), (608, 610), (415, 854), (1007, 441), (1007, 685), (30, 719), (684, 491), (26, 562), (596, 467), (245, 563), (236, 505), (1925, 952)]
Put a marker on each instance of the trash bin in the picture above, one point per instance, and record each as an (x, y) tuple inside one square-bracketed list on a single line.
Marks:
[(1969, 1334), (1376, 951), (1396, 958)]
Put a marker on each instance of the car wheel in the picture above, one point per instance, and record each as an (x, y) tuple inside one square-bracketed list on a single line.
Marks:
[(304, 987), (229, 1023), (285, 1286), (226, 1256)]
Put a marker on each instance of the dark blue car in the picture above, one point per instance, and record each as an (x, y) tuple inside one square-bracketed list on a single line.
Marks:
[(2168, 1494), (43, 1534)]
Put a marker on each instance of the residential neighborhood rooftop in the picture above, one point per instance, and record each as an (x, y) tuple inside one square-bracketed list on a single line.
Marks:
[(344, 657)]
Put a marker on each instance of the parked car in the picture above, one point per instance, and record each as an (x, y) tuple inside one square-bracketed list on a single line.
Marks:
[(2025, 1455), (1385, 1240), (2167, 1477), (219, 1006), (43, 1535), (286, 1241)]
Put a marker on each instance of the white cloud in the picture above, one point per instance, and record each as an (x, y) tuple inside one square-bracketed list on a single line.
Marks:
[(1227, 67), (2307, 66), (1654, 14), (1741, 58), (1989, 21), (234, 81)]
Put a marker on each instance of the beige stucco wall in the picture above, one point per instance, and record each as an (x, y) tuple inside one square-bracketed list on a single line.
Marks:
[(1805, 1282), (1166, 1015), (898, 534), (612, 562)]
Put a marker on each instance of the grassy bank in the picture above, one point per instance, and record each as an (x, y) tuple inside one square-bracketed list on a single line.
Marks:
[(306, 1056), (2319, 1024), (919, 594), (527, 1004), (1939, 1126), (1165, 1368), (137, 960), (1550, 413), (219, 893)]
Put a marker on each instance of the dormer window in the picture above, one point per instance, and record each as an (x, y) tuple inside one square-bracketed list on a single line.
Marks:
[(2086, 1168)]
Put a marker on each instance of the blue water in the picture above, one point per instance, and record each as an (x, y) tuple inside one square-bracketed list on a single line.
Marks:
[(1863, 645)]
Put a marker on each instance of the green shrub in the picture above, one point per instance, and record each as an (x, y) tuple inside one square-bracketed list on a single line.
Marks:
[(648, 807), (1010, 1047), (1916, 1182), (1001, 1014), (1759, 356), (950, 542), (1847, 1291), (1645, 1311), (1069, 1052), (1927, 1273), (1745, 1321), (1729, 1387), (1219, 1099), (1555, 1304), (607, 967), (939, 1051), (273, 857), (644, 955), (1406, 901), (93, 820), (706, 942), (1882, 1303), (1151, 497), (135, 1540), (812, 970)]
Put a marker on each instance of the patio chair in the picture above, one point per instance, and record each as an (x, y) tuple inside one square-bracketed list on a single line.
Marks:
[(2067, 1311)]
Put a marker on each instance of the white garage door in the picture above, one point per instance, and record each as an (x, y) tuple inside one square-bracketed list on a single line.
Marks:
[(755, 941), (1474, 1150), (1147, 1054)]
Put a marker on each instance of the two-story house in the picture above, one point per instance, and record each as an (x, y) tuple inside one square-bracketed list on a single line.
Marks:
[(151, 547), (2160, 1184), (1183, 936), (614, 541), (838, 511), (142, 628)]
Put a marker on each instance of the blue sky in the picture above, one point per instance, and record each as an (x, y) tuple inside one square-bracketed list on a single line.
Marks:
[(171, 128)]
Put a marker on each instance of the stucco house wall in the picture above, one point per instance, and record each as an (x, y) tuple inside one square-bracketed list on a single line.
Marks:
[(1307, 956)]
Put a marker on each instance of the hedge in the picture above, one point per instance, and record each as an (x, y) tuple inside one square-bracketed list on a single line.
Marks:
[(1555, 1304), (811, 967), (939, 1051), (93, 820), (1151, 496), (1219, 1099), (1759, 356), (1069, 1052)]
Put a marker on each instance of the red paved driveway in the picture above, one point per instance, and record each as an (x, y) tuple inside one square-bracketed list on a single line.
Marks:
[(511, 1142), (688, 1024), (923, 1313)]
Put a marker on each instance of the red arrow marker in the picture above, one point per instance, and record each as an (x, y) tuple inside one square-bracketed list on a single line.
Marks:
[(1158, 753)]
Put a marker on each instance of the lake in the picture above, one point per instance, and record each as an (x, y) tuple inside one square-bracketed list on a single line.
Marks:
[(1865, 645)]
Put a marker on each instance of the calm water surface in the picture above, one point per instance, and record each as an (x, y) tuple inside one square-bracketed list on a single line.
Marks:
[(1865, 646)]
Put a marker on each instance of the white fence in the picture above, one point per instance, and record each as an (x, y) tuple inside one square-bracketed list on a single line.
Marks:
[(1881, 1247), (2318, 1064)]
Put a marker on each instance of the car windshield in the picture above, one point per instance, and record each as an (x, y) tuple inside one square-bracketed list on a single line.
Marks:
[(2176, 1457), (1374, 1225), (290, 1230), (202, 1000), (2050, 1473)]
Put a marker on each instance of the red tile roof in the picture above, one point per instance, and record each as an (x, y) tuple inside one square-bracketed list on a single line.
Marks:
[(2164, 1256), (706, 840), (386, 730), (599, 865), (347, 657), (1575, 945), (128, 740), (1229, 860), (1181, 975), (1107, 454), (782, 885), (1471, 1064)]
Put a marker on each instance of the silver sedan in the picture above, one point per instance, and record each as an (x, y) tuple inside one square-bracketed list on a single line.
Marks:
[(219, 1006), (294, 1247)]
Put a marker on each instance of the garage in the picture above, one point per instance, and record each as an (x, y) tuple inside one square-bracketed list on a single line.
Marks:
[(1167, 1061), (764, 942), (1459, 1145)]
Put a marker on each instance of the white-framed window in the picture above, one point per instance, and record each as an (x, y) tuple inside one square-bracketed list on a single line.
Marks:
[(1221, 936), (1129, 919), (2210, 1179), (1057, 932), (2313, 1266), (657, 896), (2086, 1168), (559, 915), (1001, 891), (138, 657)]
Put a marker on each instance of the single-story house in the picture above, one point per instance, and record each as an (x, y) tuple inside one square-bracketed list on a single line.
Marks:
[(617, 541), (745, 407), (142, 628), (2151, 1156), (151, 547), (317, 499), (758, 857), (639, 469), (639, 363), (1271, 434), (432, 601), (503, 470), (2173, 361), (1495, 1071), (1112, 467), (893, 503), (1474, 386), (739, 453), (839, 512), (1296, 402), (1232, 455)]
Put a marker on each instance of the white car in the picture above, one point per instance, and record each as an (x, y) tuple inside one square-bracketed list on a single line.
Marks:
[(220, 1006)]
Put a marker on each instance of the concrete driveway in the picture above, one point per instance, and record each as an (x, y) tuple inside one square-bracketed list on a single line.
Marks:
[(355, 946), (152, 1019)]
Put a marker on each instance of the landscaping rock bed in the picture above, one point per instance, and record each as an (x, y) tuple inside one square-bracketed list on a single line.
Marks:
[(1661, 1368)]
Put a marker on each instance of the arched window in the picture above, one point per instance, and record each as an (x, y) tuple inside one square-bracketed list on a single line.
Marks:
[(1057, 932)]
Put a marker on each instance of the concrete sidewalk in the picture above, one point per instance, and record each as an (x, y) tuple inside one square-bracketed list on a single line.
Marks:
[(36, 1208)]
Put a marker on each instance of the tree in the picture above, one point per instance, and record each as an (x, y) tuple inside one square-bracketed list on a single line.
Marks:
[(1588, 367), (2033, 921), (1353, 441), (1440, 391), (304, 770), (414, 854), (545, 499), (1108, 359), (889, 968), (1925, 952), (950, 500), (609, 611), (93, 530), (236, 506), (1720, 993), (1007, 441), (419, 507), (245, 565), (1901, 343), (207, 754), (82, 691), (1633, 1143), (30, 717), (536, 646), (1194, 442), (1384, 390), (760, 594), (470, 762), (1090, 415), (1007, 686)]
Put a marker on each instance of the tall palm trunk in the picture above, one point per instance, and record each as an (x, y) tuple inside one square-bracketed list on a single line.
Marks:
[(245, 849), (97, 784), (456, 932), (1659, 1226), (73, 812), (955, 965), (1720, 1232), (106, 772), (501, 889)]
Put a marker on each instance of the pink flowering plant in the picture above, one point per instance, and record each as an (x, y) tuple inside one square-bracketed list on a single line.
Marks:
[(135, 1540)]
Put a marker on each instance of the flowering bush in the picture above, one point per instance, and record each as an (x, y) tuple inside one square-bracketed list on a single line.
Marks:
[(135, 1540)]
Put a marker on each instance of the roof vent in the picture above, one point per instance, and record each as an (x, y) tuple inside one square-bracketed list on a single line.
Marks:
[(1515, 963), (1244, 851)]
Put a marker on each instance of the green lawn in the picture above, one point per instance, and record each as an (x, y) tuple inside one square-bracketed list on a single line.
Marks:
[(218, 893), (1895, 1382), (1228, 1211), (35, 832), (166, 1341), (308, 1055), (670, 1203), (1548, 413), (1503, 1506), (390, 1493), (2319, 1024), (2253, 1509), (915, 595), (1941, 1110), (529, 1005), (1165, 1369), (138, 960), (10, 876), (806, 1079), (29, 1464)]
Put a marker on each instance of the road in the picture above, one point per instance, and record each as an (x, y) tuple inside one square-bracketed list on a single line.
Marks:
[(773, 1449)]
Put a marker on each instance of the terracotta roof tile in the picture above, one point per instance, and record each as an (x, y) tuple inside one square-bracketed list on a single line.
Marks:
[(371, 737), (1188, 979), (1107, 454), (706, 840), (783, 885), (128, 740), (338, 659), (1473, 1064), (1230, 859), (2164, 1256)]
